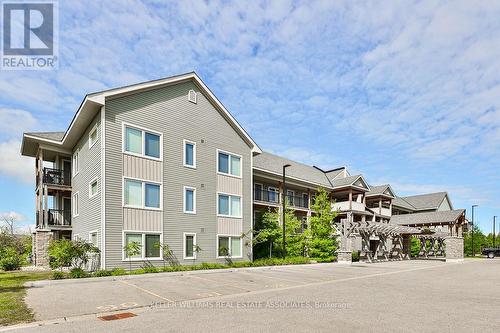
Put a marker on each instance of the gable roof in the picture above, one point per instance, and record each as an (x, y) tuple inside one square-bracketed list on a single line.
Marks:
[(356, 181), (274, 164), (93, 102), (381, 190), (427, 201), (402, 203), (428, 218)]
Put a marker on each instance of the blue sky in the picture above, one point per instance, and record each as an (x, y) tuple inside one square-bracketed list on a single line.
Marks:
[(407, 93)]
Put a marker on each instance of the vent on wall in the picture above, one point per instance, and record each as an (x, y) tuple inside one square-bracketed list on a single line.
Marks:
[(192, 96)]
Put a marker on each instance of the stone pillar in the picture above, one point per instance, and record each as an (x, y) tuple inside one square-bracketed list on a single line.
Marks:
[(454, 249), (344, 257), (406, 247), (41, 242), (344, 254)]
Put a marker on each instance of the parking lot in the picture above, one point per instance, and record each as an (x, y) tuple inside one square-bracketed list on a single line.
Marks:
[(390, 296)]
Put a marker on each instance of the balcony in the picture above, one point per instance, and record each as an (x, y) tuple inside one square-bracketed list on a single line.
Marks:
[(59, 217), (272, 197), (56, 177), (344, 206)]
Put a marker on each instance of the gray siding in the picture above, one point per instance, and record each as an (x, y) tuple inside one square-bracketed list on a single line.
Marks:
[(89, 218), (168, 111)]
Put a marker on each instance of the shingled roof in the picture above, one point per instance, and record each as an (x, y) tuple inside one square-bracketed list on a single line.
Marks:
[(380, 190), (56, 136), (273, 163), (401, 202), (429, 218), (426, 201)]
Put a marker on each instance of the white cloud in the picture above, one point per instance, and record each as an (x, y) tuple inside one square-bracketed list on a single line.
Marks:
[(13, 215), (12, 164), (14, 121)]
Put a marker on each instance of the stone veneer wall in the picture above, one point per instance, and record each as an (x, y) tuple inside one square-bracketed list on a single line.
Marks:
[(454, 248), (41, 240)]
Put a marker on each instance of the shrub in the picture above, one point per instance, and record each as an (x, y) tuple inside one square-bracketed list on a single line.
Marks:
[(355, 256), (61, 253), (58, 275), (207, 265), (281, 261), (118, 271), (78, 273), (238, 264), (102, 272), (10, 259)]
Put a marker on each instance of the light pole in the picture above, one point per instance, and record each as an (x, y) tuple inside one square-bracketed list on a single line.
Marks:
[(494, 222), (473, 251), (283, 207)]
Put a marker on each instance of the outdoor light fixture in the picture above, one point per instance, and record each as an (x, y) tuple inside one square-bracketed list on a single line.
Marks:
[(283, 205)]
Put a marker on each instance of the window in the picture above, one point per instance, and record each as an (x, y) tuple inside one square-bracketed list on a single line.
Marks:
[(93, 188), (75, 162), (189, 246), (149, 245), (189, 200), (229, 164), (258, 192), (305, 199), (189, 154), (75, 203), (142, 142), (141, 194), (93, 238), (229, 205), (290, 196), (273, 194), (152, 246), (93, 136), (229, 246)]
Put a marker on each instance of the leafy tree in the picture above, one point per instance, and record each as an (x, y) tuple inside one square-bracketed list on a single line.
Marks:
[(61, 253), (414, 246), (294, 237), (321, 233), (131, 249), (83, 251), (480, 241), (267, 232)]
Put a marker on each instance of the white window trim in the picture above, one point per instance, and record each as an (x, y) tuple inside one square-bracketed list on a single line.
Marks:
[(184, 245), (230, 246), (143, 190), (143, 247), (275, 190), (184, 143), (229, 166), (75, 167), (95, 179), (143, 133), (97, 236), (230, 195), (94, 129), (184, 199), (77, 201)]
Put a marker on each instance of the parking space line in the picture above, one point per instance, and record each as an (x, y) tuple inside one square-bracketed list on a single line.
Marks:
[(146, 291)]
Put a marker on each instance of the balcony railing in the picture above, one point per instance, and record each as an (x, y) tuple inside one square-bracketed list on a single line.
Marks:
[(267, 196), (59, 217), (274, 197), (56, 177)]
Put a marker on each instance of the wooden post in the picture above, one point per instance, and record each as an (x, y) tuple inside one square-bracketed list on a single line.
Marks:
[(350, 199)]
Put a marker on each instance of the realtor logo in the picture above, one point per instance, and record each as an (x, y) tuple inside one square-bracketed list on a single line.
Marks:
[(29, 39)]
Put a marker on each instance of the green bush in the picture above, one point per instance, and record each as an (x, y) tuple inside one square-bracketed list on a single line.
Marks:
[(102, 272), (10, 259), (58, 275), (118, 271), (355, 256), (322, 249), (281, 261), (77, 273), (207, 265), (238, 264)]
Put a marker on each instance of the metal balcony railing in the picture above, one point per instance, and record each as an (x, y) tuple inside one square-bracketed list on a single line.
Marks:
[(266, 196), (59, 217), (56, 177), (298, 201)]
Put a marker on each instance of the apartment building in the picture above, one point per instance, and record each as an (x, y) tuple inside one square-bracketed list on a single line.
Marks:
[(164, 162)]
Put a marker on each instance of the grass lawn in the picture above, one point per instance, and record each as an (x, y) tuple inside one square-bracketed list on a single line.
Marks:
[(13, 310)]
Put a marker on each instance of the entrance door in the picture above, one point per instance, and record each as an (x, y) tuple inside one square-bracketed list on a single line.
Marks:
[(66, 172), (66, 211)]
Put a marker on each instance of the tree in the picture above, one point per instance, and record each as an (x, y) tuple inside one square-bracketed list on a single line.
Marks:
[(480, 241), (61, 253), (131, 249), (267, 231), (321, 232), (9, 219), (294, 237)]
